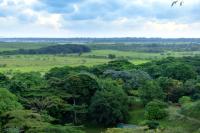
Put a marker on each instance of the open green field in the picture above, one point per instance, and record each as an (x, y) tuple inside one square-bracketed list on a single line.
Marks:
[(43, 63)]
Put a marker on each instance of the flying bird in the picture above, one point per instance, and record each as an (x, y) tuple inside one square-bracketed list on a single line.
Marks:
[(181, 3), (173, 3), (177, 1)]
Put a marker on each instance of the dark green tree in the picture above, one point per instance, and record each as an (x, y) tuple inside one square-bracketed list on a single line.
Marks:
[(151, 91), (81, 87), (172, 88), (179, 71), (109, 105), (111, 56), (155, 110)]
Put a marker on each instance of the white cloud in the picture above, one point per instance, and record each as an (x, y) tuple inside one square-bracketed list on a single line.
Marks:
[(102, 18)]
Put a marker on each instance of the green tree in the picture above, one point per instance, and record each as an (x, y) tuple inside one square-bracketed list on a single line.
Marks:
[(117, 65), (30, 122), (8, 101), (151, 91), (3, 80), (192, 88), (81, 87), (63, 72), (109, 105), (23, 83), (155, 110), (172, 88), (179, 71), (111, 56), (132, 79), (191, 110)]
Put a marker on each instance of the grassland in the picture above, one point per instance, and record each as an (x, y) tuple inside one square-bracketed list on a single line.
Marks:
[(43, 63)]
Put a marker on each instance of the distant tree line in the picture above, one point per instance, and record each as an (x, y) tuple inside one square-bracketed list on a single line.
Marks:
[(148, 47), (57, 49)]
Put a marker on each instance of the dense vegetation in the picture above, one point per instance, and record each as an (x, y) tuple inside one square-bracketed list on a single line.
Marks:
[(68, 99), (125, 83), (149, 47), (57, 49)]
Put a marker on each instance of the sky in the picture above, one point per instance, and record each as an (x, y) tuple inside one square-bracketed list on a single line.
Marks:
[(99, 18)]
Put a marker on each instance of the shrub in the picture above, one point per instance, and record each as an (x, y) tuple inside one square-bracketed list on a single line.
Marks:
[(184, 100), (155, 110), (152, 124), (191, 110), (8, 101)]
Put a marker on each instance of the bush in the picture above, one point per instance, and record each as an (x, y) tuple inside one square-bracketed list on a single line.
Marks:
[(184, 100), (111, 56), (152, 124), (191, 110), (155, 110)]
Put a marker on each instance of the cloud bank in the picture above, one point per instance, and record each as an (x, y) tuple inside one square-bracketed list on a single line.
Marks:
[(99, 18)]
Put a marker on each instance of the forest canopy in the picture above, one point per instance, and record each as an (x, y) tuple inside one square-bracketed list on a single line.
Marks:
[(57, 49)]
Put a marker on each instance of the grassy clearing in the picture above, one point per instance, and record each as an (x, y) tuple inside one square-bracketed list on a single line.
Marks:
[(124, 54), (136, 116), (43, 63)]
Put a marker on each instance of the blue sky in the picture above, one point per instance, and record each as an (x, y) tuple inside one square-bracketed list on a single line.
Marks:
[(99, 18)]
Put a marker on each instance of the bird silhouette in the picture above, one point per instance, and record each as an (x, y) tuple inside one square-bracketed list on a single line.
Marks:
[(177, 1), (181, 3), (174, 2)]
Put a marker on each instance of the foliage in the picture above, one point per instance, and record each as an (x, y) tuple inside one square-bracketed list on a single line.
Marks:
[(132, 79), (3, 80), (191, 110), (126, 130), (155, 110), (180, 71), (172, 68), (21, 83), (173, 89), (62, 72), (111, 56), (82, 87), (30, 122), (185, 100), (73, 95), (192, 88), (57, 49), (112, 65), (152, 124), (151, 91), (8, 101), (109, 105)]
